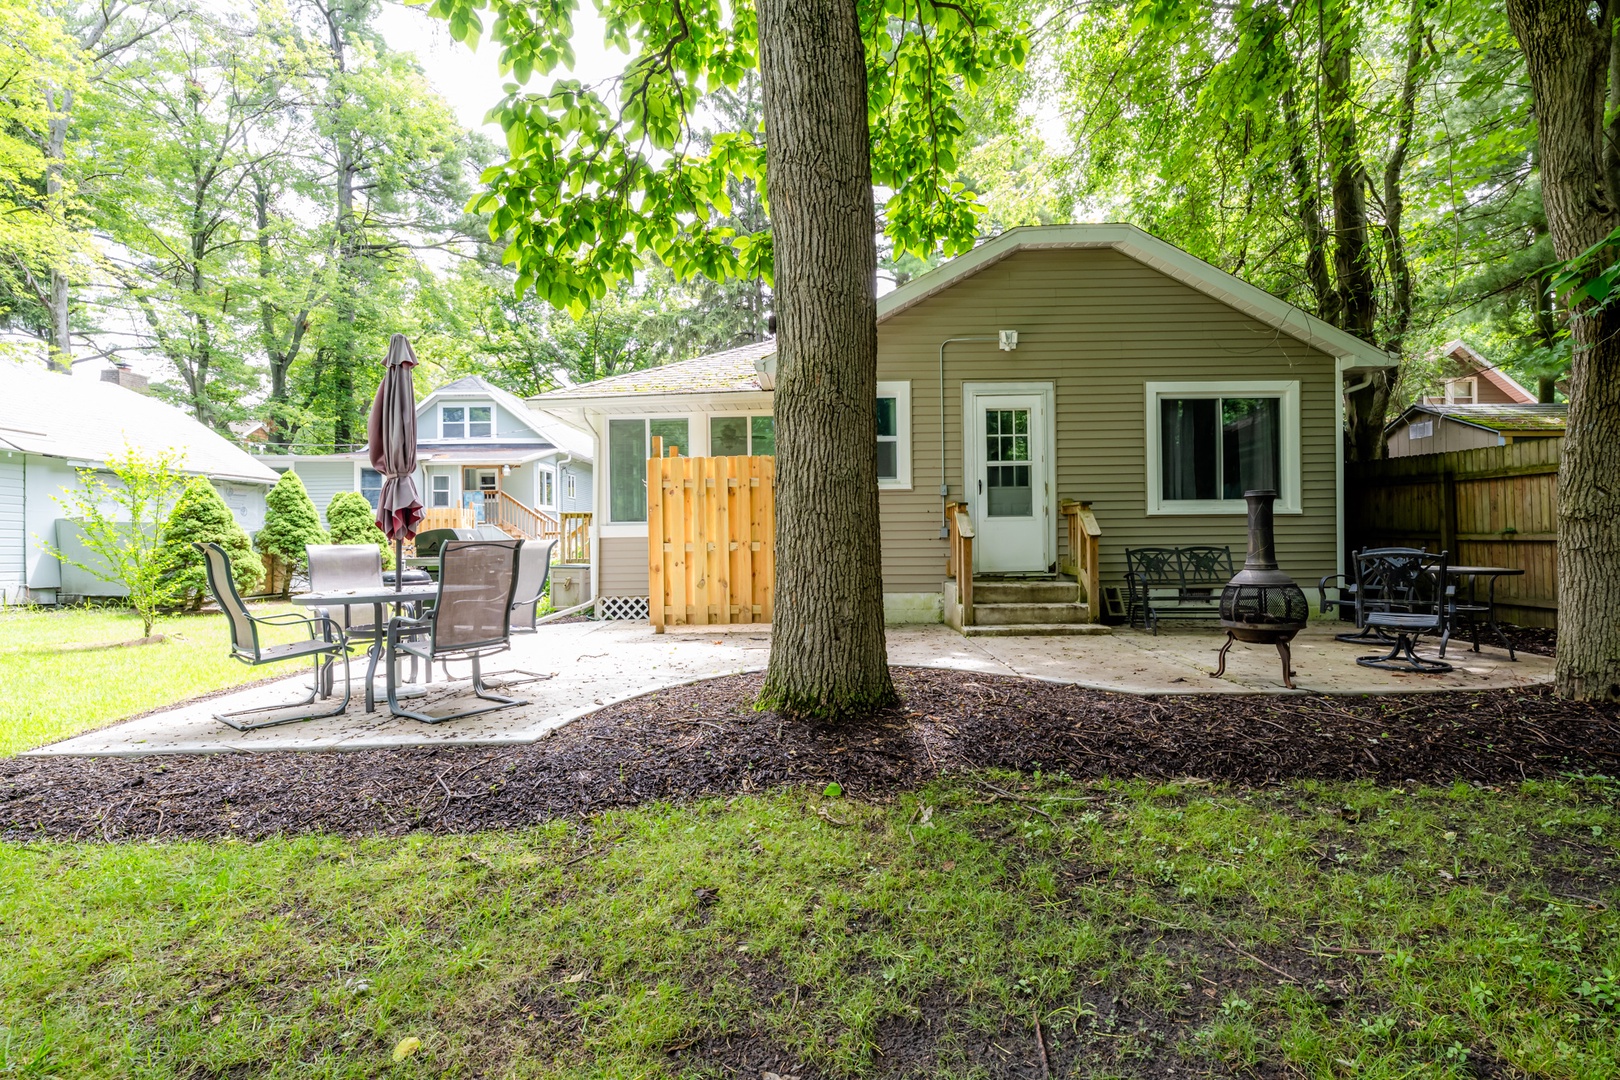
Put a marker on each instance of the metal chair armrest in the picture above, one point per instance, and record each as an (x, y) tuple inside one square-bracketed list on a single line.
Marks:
[(290, 618)]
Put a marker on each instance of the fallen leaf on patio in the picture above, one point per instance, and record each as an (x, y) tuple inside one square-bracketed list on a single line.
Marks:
[(406, 1047)]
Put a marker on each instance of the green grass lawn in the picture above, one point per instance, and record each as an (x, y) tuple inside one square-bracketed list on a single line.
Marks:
[(47, 695), (1312, 930)]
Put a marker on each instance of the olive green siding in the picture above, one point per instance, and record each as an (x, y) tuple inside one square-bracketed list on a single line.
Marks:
[(624, 566), (1099, 326)]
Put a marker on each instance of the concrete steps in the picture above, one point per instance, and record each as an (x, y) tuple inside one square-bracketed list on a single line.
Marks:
[(1005, 607)]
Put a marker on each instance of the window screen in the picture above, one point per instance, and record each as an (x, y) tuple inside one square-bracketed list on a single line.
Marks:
[(728, 436), (762, 433), (888, 439), (1218, 448), (479, 425), (627, 478)]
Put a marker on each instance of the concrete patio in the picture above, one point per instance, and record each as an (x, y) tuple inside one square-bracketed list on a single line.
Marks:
[(597, 664)]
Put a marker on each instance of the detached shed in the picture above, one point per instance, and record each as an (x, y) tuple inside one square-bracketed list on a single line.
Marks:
[(52, 426), (1444, 429)]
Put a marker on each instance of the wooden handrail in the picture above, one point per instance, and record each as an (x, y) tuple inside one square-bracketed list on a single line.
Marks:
[(959, 556), (503, 510), (1085, 543)]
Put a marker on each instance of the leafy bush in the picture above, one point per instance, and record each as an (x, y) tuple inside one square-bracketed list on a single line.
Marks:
[(352, 521), (201, 516), (128, 552), (290, 523)]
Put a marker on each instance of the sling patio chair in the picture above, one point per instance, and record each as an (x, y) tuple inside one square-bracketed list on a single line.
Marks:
[(470, 619), (322, 650), (1405, 595), (534, 569)]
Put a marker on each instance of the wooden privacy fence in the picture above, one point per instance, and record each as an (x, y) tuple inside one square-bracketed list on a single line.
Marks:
[(711, 539), (1494, 506)]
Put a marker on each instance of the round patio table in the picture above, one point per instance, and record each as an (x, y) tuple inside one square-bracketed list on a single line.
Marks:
[(378, 597), (1475, 609)]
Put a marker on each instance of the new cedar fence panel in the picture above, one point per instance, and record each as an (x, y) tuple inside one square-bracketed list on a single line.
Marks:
[(711, 530), (1493, 506)]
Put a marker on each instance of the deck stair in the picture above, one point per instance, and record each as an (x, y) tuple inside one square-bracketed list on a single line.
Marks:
[(1024, 606)]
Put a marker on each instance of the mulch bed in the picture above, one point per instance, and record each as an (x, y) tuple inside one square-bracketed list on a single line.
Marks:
[(707, 740)]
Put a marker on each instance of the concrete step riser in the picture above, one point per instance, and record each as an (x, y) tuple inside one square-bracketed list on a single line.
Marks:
[(1024, 614), (1033, 592)]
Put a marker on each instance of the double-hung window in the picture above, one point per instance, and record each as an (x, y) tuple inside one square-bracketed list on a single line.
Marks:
[(548, 488), (371, 486), (440, 492), (894, 435), (466, 421), (1209, 442), (741, 435), (628, 442)]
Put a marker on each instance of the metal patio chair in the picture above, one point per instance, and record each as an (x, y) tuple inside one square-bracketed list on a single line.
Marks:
[(246, 647), (1355, 601), (534, 570), (1404, 595), (470, 619)]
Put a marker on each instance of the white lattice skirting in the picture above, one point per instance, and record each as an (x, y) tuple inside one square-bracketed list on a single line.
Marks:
[(622, 607)]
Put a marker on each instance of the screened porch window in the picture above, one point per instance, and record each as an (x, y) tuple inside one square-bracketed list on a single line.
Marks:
[(1210, 443), (628, 442)]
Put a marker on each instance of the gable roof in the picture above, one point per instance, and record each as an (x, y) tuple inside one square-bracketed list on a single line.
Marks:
[(1507, 419), (1476, 364), (570, 440), (1354, 354), (43, 412), (726, 372)]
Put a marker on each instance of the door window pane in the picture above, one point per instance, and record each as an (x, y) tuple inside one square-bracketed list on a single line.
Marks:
[(452, 422), (728, 436), (1188, 447), (1250, 445), (479, 425), (763, 433), (1008, 490), (673, 432), (627, 477)]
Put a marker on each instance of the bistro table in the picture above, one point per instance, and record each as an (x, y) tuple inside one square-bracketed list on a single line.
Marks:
[(378, 597), (1474, 608)]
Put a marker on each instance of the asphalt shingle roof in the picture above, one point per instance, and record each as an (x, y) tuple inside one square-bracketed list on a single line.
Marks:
[(730, 371), (42, 412)]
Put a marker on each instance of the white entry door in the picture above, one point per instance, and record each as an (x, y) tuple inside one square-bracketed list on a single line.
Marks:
[(1009, 477)]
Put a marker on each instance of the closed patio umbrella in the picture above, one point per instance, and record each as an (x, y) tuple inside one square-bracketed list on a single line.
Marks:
[(391, 432)]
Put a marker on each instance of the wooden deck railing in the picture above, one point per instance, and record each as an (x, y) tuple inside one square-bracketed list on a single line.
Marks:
[(1084, 543), (503, 510), (959, 556), (575, 545), (447, 517)]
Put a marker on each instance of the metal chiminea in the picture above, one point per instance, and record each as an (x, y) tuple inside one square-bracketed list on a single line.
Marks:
[(1261, 604)]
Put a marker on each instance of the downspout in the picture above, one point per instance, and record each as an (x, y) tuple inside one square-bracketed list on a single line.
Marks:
[(944, 487)]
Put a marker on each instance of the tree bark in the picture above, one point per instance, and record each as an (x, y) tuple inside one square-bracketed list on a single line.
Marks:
[(1567, 54), (828, 655)]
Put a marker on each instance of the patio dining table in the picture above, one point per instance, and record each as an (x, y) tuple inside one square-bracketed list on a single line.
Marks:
[(378, 597)]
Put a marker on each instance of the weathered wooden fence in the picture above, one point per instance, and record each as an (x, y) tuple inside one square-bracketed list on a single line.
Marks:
[(711, 528), (1495, 506)]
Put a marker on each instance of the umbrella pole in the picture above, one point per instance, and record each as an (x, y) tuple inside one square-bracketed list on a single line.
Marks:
[(399, 563)]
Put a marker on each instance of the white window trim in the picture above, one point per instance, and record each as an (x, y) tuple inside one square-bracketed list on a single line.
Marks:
[(543, 476), (901, 392), (433, 491), (568, 485), (491, 409), (1472, 382), (710, 418), (1288, 497)]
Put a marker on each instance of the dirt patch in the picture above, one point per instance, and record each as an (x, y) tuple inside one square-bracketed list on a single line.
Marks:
[(706, 739), (1540, 640)]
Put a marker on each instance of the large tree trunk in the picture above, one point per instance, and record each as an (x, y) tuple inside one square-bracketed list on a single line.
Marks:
[(828, 655), (1567, 55)]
